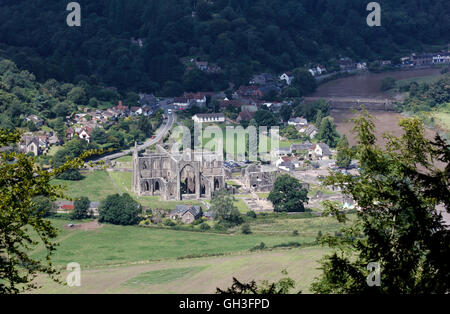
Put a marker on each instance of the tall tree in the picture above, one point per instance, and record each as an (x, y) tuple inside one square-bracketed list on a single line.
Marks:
[(224, 210), (288, 195), (399, 225), (81, 208), (344, 157), (327, 132), (22, 227)]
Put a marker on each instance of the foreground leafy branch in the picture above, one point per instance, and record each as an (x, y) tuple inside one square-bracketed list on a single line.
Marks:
[(398, 224), (22, 228)]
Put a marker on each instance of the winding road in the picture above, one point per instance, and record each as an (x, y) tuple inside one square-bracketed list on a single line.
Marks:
[(160, 133)]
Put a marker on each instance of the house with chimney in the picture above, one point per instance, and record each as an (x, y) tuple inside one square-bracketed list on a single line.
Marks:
[(287, 77), (187, 214), (321, 151)]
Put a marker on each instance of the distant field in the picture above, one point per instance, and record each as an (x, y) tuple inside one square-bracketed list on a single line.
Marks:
[(385, 122), (124, 159), (123, 181), (424, 79), (199, 275), (443, 120), (96, 186), (112, 245)]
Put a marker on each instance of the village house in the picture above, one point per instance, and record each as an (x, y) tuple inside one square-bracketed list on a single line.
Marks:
[(361, 66), (136, 111), (64, 207), (288, 163), (287, 77), (202, 65), (69, 134), (209, 118), (321, 151), (347, 64), (441, 58), (298, 121), (38, 122), (310, 131), (282, 151), (187, 214), (318, 70), (262, 79), (30, 144), (249, 92), (198, 99), (422, 60), (181, 103), (122, 110), (245, 115), (84, 133)]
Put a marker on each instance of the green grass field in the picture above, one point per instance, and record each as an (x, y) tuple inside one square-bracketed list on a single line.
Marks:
[(96, 186), (422, 79), (442, 119), (112, 245), (198, 275), (163, 276)]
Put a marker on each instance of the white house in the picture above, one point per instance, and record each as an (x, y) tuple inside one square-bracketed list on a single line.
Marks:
[(445, 58), (287, 77), (361, 66), (181, 103), (209, 118), (321, 151), (84, 135), (298, 121)]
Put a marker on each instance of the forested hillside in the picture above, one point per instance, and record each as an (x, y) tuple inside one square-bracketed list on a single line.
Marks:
[(239, 36)]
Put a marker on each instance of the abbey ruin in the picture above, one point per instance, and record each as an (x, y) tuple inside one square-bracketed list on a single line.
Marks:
[(175, 176)]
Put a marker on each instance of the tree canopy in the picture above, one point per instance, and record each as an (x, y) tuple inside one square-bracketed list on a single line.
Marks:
[(120, 210), (288, 195), (25, 193), (242, 37), (399, 225)]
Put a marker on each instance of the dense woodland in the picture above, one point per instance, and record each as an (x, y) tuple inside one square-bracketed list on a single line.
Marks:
[(427, 96), (242, 37)]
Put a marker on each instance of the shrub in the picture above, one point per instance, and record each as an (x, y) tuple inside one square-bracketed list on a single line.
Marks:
[(251, 214), (259, 247), (81, 208), (120, 210), (295, 233), (204, 226), (245, 229)]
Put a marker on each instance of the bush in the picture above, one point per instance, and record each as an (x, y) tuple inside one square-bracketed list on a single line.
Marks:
[(245, 229), (204, 227), (169, 223), (251, 214), (120, 210), (219, 227), (81, 208), (259, 247), (295, 233)]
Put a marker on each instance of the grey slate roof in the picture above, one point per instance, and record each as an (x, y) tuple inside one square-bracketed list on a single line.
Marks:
[(196, 211)]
